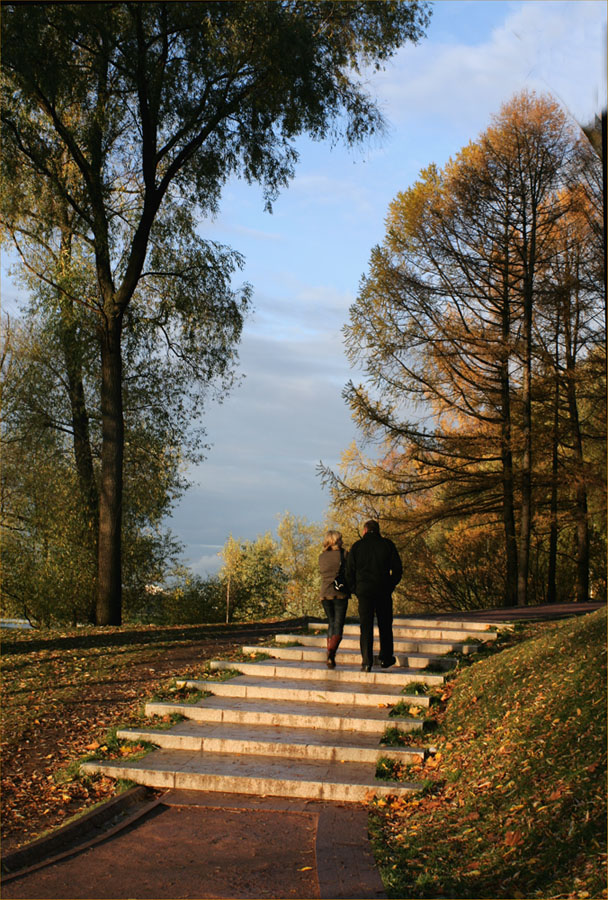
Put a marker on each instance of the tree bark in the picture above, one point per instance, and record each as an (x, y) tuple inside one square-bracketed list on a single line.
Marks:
[(82, 444), (109, 581), (83, 457), (580, 507), (508, 503), (552, 570), (523, 562)]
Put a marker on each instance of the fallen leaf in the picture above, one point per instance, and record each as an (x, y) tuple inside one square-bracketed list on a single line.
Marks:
[(513, 838)]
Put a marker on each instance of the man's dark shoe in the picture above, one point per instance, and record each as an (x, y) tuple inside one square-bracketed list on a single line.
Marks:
[(366, 668), (389, 663)]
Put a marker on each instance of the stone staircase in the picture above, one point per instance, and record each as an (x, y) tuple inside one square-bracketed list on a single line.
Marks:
[(287, 726)]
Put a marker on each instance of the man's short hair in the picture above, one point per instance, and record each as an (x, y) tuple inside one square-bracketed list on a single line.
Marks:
[(372, 527)]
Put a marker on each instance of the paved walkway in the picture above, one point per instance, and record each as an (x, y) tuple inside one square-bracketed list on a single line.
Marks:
[(211, 845), (546, 612), (178, 844)]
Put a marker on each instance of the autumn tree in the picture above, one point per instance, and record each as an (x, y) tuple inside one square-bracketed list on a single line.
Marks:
[(300, 543), (120, 109), (444, 327), (570, 334), (253, 578)]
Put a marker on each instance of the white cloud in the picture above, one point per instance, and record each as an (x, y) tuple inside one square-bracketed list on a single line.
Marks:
[(299, 312), (545, 46), (206, 563), (326, 190)]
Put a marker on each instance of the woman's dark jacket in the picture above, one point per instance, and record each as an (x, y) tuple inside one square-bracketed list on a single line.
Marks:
[(329, 566)]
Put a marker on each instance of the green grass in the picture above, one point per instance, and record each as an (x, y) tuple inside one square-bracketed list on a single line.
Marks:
[(394, 737), (209, 674), (388, 769), (403, 709), (111, 747), (518, 808), (256, 656), (177, 693), (415, 687)]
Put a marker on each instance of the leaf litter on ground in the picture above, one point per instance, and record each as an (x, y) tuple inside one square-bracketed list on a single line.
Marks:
[(517, 806)]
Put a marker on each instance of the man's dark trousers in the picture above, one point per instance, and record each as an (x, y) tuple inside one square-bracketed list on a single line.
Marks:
[(382, 606)]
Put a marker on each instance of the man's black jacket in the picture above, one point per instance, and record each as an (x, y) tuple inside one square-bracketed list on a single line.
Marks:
[(373, 565)]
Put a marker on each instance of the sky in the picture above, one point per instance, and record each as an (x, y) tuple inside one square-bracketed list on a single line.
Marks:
[(306, 259)]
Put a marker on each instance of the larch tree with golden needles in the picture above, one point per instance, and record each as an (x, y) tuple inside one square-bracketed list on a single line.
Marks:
[(445, 327)]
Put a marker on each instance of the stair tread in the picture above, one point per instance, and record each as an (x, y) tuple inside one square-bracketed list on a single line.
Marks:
[(450, 621), (318, 672), (269, 734), (444, 631), (304, 684), (351, 644), (265, 732), (347, 652), (257, 767), (285, 707)]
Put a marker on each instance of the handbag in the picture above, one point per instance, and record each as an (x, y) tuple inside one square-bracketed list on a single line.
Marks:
[(340, 580)]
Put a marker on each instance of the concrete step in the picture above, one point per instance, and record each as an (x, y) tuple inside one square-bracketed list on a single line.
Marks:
[(409, 631), (260, 740), (349, 656), (289, 714), (293, 669), (342, 693), (351, 642), (457, 622), (348, 782)]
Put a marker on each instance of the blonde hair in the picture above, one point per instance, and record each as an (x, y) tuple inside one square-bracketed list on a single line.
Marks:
[(332, 540)]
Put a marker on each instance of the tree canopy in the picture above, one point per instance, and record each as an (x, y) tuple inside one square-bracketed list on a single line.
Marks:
[(124, 121), (480, 331)]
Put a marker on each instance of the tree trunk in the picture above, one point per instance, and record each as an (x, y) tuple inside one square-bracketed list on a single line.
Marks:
[(552, 572), (81, 439), (508, 515), (580, 508), (109, 581), (508, 503), (523, 562), (83, 457)]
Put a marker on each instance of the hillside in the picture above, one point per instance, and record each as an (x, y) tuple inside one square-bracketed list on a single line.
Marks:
[(516, 799)]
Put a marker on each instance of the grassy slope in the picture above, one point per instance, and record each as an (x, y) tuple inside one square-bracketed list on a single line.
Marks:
[(517, 807)]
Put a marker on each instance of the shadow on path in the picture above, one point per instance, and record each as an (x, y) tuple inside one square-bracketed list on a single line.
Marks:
[(211, 845)]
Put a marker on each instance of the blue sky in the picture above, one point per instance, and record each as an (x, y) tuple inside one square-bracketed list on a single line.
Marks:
[(305, 260)]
